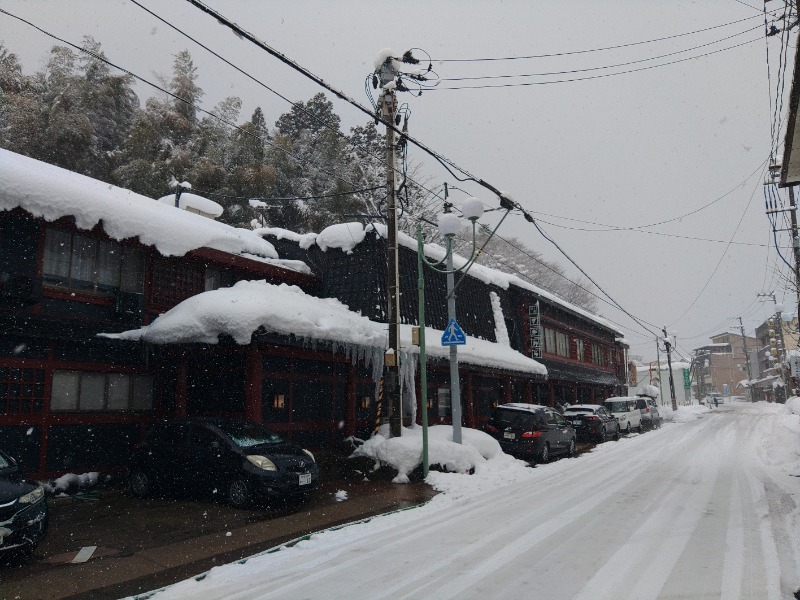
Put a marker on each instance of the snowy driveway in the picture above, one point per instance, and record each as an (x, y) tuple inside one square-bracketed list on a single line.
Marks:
[(704, 509)]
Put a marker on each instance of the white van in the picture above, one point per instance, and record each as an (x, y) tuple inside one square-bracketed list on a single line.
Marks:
[(624, 409)]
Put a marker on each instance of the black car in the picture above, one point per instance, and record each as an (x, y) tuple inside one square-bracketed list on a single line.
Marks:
[(592, 422), (23, 509), (531, 431), (241, 460)]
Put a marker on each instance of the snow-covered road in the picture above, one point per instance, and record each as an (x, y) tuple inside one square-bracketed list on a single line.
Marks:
[(703, 509)]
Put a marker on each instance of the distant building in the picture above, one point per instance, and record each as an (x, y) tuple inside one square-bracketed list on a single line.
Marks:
[(721, 366)]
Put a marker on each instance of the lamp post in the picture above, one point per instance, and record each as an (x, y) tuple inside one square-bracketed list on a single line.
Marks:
[(449, 225)]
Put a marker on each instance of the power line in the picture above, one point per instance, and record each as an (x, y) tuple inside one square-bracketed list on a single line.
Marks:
[(590, 77), (614, 66), (444, 161), (628, 45)]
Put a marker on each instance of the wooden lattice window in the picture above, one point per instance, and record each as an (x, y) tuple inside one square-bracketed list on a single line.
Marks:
[(21, 390), (174, 281)]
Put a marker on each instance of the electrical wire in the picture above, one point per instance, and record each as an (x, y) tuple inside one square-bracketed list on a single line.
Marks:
[(613, 66), (590, 77), (628, 45)]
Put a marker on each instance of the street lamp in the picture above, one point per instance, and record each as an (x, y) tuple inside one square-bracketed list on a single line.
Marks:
[(449, 225)]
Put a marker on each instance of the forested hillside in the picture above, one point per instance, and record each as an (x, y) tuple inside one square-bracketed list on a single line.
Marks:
[(303, 173)]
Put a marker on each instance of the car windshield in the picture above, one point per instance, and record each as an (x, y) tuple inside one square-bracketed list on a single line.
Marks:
[(617, 406), (247, 435), (515, 418)]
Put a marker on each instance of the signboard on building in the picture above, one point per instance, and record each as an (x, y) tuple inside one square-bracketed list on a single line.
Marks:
[(687, 380)]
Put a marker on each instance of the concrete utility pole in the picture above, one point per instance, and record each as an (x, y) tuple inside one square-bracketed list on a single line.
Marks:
[(388, 103), (455, 382), (795, 247), (747, 359), (668, 344)]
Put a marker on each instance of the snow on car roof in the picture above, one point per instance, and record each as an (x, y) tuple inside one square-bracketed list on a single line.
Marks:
[(574, 407), (522, 406)]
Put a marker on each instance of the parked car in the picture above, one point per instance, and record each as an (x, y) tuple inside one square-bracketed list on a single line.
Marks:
[(592, 422), (624, 409), (531, 431), (651, 418), (23, 508), (244, 461)]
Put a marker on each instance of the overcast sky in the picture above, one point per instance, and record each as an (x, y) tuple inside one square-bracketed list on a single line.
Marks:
[(620, 151)]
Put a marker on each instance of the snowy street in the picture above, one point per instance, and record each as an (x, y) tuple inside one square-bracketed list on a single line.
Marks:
[(698, 509)]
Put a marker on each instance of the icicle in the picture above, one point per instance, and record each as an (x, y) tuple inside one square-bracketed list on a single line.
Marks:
[(408, 375)]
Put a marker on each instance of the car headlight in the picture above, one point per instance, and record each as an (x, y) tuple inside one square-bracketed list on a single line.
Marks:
[(33, 496), (311, 456), (262, 462)]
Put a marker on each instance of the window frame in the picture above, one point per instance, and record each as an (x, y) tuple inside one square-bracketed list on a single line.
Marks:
[(82, 402)]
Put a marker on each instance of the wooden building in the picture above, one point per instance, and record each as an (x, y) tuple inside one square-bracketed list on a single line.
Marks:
[(80, 258)]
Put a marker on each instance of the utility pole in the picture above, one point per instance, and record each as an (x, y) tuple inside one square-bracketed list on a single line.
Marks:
[(795, 247), (455, 382), (746, 359), (668, 344), (388, 103)]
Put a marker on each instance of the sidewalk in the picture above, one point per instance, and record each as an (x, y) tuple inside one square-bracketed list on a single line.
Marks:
[(117, 570)]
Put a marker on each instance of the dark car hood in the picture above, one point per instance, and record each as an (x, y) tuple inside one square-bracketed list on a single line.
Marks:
[(13, 487)]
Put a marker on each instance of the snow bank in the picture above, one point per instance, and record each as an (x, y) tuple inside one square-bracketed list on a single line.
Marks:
[(793, 404), (684, 414), (72, 481), (51, 193), (404, 453)]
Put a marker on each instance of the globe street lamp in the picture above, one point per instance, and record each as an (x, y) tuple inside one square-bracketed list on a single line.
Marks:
[(449, 225)]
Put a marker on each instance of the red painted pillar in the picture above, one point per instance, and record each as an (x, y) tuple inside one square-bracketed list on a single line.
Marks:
[(350, 402), (182, 386), (255, 376), (470, 406), (552, 395)]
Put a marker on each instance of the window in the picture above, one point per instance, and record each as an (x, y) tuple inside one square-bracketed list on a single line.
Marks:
[(89, 391), (562, 344), (598, 355), (443, 396), (174, 281), (218, 278), (79, 262), (549, 341), (279, 401), (21, 390), (579, 350)]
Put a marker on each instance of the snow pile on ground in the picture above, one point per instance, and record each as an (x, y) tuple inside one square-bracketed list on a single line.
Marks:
[(684, 414), (72, 482), (340, 496), (793, 404), (404, 453), (780, 450)]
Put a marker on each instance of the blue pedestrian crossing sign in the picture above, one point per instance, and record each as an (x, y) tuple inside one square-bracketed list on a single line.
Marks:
[(453, 335)]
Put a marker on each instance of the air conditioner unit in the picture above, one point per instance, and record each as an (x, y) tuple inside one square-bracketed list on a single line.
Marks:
[(129, 303), (20, 288)]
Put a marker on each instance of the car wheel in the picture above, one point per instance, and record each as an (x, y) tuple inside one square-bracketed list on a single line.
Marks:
[(571, 448), (140, 484), (628, 428), (602, 437), (616, 434), (238, 493), (545, 456), (641, 429)]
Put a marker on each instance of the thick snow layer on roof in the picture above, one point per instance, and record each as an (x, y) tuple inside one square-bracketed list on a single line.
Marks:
[(475, 351), (52, 193), (240, 310), (346, 236), (304, 240), (189, 201)]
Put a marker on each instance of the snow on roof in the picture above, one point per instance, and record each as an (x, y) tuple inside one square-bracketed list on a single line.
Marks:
[(346, 236), (194, 203), (304, 240), (51, 192), (523, 406), (240, 310)]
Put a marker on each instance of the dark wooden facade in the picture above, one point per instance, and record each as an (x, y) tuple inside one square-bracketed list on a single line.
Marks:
[(71, 401)]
